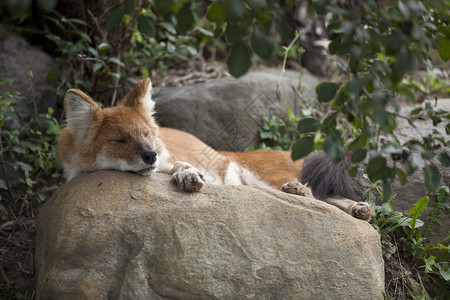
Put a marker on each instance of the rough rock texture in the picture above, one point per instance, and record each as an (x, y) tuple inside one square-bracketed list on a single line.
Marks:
[(114, 235), (226, 114), (17, 59)]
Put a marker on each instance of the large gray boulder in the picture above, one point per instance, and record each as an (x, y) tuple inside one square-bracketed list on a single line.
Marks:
[(226, 114), (115, 235), (17, 59)]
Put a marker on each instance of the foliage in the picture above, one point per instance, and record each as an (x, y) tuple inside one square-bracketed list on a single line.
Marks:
[(441, 205), (382, 45), (402, 236), (8, 289), (429, 84), (246, 25), (28, 146), (277, 133), (127, 41)]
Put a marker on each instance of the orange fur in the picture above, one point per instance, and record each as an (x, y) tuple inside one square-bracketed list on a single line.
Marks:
[(127, 138)]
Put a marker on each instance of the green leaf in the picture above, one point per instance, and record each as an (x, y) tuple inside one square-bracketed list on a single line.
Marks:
[(3, 185), (168, 26), (307, 125), (262, 45), (432, 177), (53, 38), (419, 207), (216, 12), (74, 20), (113, 17), (96, 67), (359, 143), (163, 6), (235, 33), (407, 92), (238, 62), (93, 51), (47, 5), (82, 34), (445, 272), (444, 158), (116, 61), (333, 146), (376, 168), (26, 168), (104, 46), (404, 62), (444, 48), (326, 91), (341, 98), (404, 9), (280, 25), (205, 32), (401, 175), (30, 145), (443, 193), (145, 25), (237, 8), (379, 115), (386, 191), (185, 19), (329, 122), (6, 81), (255, 4), (355, 87), (302, 147), (359, 155)]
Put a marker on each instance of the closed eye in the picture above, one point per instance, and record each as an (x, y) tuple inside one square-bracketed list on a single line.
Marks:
[(119, 141)]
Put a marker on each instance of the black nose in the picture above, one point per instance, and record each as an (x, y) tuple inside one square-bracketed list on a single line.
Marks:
[(149, 157)]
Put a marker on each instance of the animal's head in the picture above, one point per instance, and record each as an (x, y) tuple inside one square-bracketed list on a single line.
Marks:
[(122, 138)]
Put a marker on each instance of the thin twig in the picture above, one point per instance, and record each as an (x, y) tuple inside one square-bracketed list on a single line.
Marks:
[(33, 95), (11, 242), (116, 83), (283, 67), (97, 25), (24, 223)]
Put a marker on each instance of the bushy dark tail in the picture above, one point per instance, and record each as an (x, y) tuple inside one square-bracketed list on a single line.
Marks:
[(326, 179)]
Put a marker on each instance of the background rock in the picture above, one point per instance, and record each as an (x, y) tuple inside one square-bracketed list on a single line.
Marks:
[(226, 114), (111, 235), (17, 59)]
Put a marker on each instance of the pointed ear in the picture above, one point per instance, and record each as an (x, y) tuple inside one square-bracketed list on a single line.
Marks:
[(79, 111), (140, 97)]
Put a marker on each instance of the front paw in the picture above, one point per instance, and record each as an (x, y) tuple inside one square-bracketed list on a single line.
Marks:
[(189, 179), (363, 211), (296, 188)]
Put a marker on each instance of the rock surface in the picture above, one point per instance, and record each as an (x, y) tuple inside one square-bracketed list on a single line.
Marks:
[(17, 59), (115, 235), (226, 114)]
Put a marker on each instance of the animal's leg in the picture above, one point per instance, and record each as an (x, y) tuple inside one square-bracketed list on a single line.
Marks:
[(359, 210), (296, 188), (187, 177)]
